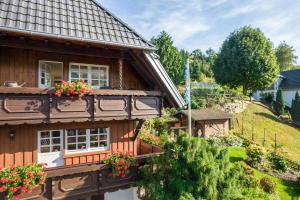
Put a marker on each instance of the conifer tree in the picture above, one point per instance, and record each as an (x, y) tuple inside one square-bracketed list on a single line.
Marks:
[(279, 103), (192, 169), (295, 109)]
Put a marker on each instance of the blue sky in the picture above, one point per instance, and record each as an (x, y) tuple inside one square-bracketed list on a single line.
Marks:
[(206, 23)]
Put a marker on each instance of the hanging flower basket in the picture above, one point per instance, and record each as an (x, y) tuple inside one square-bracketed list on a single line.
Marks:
[(72, 89), (120, 164), (15, 181)]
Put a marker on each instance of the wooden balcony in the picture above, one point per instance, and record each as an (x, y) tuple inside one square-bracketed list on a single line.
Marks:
[(83, 180), (35, 105)]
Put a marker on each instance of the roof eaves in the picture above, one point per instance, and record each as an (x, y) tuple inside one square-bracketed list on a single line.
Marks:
[(34, 33)]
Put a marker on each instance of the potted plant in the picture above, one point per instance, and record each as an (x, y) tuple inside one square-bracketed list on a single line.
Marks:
[(73, 89), (120, 164), (15, 181)]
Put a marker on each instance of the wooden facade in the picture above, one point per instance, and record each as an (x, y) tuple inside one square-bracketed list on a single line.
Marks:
[(22, 65), (130, 98)]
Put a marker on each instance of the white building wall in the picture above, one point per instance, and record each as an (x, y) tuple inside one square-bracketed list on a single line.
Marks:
[(128, 194), (288, 96)]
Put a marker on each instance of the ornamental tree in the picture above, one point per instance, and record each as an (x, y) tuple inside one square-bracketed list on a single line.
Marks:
[(246, 59), (191, 168)]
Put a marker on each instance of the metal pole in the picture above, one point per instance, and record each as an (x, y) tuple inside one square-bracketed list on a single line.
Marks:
[(189, 94)]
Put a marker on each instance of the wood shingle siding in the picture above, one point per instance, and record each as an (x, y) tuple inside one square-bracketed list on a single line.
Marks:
[(22, 149)]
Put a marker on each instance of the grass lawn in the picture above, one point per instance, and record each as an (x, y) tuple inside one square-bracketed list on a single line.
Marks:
[(262, 118), (285, 189)]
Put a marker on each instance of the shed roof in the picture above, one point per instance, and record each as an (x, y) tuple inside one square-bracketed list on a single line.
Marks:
[(207, 114), (80, 20)]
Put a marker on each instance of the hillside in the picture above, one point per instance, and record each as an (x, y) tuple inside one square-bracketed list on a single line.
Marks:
[(257, 118)]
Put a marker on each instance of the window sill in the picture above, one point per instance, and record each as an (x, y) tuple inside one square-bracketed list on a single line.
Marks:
[(86, 153)]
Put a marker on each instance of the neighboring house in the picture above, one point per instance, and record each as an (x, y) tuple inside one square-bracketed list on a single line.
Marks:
[(43, 42), (288, 81), (206, 122)]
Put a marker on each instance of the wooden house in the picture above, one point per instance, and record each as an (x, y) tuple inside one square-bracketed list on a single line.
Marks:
[(45, 41), (206, 122)]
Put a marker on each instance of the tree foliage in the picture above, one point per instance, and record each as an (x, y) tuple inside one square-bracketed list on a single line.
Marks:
[(295, 109), (246, 59), (170, 57), (279, 103), (191, 168), (285, 56)]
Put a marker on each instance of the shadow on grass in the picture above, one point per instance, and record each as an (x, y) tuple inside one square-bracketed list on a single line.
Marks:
[(269, 116), (292, 189)]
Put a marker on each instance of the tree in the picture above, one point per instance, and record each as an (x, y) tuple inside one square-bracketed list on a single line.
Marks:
[(279, 103), (211, 57), (170, 57), (285, 56), (246, 59), (197, 64), (295, 109), (191, 168)]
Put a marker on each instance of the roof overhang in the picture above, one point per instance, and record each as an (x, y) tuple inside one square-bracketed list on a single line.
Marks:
[(166, 81)]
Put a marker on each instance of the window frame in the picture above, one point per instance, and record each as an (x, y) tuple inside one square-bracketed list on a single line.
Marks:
[(50, 138), (40, 85), (88, 141), (89, 66)]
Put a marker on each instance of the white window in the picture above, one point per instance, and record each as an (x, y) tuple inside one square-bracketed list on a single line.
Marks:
[(78, 140), (50, 73), (95, 75), (50, 141)]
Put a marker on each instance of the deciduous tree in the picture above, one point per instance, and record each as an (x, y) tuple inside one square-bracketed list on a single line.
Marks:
[(246, 59), (285, 56)]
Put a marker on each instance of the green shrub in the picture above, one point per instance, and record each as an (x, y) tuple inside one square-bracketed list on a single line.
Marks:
[(255, 153), (267, 185), (267, 97), (278, 163), (227, 141)]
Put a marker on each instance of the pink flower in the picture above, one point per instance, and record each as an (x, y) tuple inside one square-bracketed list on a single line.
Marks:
[(2, 188)]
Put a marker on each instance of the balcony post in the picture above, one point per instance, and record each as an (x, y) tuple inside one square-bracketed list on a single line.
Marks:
[(120, 64)]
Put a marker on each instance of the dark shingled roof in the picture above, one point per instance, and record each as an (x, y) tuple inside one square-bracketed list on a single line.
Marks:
[(82, 20), (207, 114), (291, 79)]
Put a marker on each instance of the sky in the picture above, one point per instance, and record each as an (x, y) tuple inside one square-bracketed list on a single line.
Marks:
[(201, 24)]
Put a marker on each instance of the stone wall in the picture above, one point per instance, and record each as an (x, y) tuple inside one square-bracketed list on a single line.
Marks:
[(234, 107)]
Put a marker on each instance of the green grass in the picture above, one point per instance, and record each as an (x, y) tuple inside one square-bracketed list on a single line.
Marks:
[(286, 190), (262, 118)]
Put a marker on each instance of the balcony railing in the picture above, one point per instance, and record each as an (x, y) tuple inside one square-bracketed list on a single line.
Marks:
[(83, 180), (35, 105)]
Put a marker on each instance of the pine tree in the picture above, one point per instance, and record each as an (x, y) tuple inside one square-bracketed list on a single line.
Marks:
[(191, 168), (279, 103)]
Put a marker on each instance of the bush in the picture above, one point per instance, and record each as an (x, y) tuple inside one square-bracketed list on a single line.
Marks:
[(267, 97), (192, 168), (255, 153), (227, 141), (267, 185), (278, 163)]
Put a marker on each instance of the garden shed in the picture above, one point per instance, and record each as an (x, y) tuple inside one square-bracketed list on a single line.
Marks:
[(206, 122)]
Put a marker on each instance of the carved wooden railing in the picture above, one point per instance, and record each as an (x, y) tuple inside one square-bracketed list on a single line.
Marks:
[(83, 180), (35, 105)]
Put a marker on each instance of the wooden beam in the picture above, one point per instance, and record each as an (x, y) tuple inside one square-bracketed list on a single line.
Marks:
[(53, 47)]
